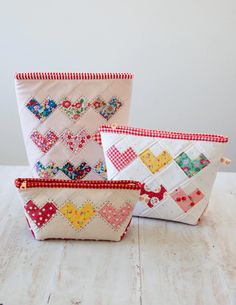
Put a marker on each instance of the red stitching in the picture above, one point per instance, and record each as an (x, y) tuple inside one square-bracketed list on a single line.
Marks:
[(163, 134), (71, 75)]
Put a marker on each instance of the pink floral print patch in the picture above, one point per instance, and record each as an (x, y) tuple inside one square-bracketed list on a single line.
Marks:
[(106, 109), (75, 142), (185, 201), (75, 110), (44, 142)]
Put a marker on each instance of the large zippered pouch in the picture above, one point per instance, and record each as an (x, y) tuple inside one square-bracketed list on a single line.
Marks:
[(60, 114), (177, 170)]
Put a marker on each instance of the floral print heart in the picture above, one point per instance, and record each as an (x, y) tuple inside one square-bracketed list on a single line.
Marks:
[(76, 173), (191, 167), (155, 163), (48, 171), (106, 109), (75, 142), (44, 142), (43, 110), (75, 110), (152, 197), (100, 169), (78, 217)]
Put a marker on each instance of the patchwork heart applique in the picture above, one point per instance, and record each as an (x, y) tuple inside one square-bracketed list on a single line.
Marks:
[(46, 172), (75, 142), (40, 216), (106, 109), (115, 217), (191, 167), (155, 163), (152, 197), (184, 201), (44, 142), (76, 173), (100, 169), (43, 110), (75, 110), (121, 160), (78, 217)]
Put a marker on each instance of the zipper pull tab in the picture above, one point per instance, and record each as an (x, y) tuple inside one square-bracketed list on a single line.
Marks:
[(113, 126), (225, 161), (23, 185)]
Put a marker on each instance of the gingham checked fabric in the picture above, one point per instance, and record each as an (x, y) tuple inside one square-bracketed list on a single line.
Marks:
[(97, 138), (177, 169), (162, 133), (121, 160)]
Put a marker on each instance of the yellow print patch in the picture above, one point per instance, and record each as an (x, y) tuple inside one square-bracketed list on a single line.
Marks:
[(155, 163), (78, 217)]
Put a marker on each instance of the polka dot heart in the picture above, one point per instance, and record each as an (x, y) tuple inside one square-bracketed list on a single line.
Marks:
[(40, 216), (185, 201), (115, 217)]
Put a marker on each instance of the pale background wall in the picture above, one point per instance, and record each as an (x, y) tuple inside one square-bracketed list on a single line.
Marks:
[(183, 53)]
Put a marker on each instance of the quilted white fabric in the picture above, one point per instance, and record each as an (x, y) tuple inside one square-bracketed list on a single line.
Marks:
[(177, 170), (60, 119), (77, 213)]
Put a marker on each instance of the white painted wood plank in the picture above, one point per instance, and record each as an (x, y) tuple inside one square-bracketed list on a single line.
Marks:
[(61, 272), (184, 264)]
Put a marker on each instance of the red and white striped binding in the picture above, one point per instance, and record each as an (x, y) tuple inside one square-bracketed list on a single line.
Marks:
[(70, 76), (163, 134)]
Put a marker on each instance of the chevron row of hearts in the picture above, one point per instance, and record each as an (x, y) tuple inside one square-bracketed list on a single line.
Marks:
[(74, 110), (78, 217)]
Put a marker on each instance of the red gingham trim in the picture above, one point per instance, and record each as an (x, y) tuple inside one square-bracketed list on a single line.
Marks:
[(71, 76), (25, 183), (163, 134), (97, 138)]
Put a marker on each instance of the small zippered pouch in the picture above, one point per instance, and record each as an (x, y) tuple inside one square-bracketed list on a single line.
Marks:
[(87, 210), (177, 170), (60, 115)]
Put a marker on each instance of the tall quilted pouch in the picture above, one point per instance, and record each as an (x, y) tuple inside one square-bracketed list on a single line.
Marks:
[(97, 210), (60, 115), (177, 169)]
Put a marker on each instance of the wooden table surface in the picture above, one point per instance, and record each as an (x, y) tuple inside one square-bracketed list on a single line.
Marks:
[(158, 263)]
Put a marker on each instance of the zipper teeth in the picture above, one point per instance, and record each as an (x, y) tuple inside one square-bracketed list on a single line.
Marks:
[(163, 134), (61, 183), (71, 75)]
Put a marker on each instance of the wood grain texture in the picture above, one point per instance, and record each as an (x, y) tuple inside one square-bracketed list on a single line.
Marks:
[(158, 262)]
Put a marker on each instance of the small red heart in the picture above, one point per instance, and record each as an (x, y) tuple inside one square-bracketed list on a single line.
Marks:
[(40, 216)]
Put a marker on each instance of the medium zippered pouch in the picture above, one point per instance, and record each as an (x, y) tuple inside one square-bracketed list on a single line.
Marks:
[(60, 115), (87, 210), (177, 170)]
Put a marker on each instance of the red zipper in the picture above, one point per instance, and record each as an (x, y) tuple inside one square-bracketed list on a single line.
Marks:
[(24, 183), (71, 76), (163, 134)]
